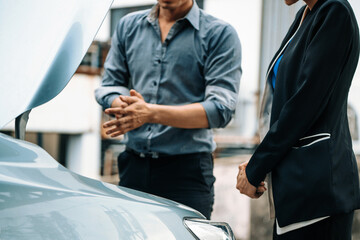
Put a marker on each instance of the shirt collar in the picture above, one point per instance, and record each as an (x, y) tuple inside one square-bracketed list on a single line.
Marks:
[(153, 14), (193, 16)]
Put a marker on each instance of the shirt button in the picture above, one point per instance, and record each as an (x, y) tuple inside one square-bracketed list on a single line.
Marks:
[(149, 129), (158, 61), (155, 83)]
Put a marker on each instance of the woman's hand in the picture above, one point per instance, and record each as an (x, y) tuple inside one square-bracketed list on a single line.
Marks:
[(245, 187)]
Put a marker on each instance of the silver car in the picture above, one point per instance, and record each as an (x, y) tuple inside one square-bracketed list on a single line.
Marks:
[(41, 44)]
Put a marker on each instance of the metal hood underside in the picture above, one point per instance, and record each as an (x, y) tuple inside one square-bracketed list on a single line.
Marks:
[(42, 43)]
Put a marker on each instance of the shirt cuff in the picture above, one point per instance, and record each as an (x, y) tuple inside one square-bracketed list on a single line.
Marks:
[(109, 99), (212, 114)]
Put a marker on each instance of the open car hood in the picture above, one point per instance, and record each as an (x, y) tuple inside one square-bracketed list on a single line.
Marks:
[(42, 43)]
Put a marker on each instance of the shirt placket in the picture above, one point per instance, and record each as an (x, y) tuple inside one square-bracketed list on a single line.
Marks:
[(160, 66)]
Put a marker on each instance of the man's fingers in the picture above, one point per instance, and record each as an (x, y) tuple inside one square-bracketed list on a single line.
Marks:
[(134, 97), (118, 103), (129, 100), (120, 123), (117, 122), (121, 103), (115, 111), (113, 130), (134, 93), (119, 130), (110, 123), (124, 130), (118, 116)]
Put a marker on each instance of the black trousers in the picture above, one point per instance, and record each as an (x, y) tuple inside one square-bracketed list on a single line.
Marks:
[(336, 227), (187, 179)]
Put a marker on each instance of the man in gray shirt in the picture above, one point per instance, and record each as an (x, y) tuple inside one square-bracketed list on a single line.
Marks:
[(183, 67)]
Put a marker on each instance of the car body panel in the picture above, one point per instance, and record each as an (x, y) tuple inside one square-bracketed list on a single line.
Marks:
[(40, 199), (41, 44)]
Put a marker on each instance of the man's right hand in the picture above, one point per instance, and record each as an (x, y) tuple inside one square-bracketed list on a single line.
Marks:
[(136, 114), (118, 103)]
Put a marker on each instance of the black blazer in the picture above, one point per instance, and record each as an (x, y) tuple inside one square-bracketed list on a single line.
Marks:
[(308, 148)]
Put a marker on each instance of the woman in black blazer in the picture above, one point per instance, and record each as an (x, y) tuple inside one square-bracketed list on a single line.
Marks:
[(307, 149)]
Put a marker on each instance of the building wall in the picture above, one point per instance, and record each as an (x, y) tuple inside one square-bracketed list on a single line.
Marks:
[(354, 96), (245, 17)]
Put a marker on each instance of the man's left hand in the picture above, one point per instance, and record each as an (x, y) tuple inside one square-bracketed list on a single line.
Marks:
[(136, 114)]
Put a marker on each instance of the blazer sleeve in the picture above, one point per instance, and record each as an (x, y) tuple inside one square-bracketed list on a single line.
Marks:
[(325, 57)]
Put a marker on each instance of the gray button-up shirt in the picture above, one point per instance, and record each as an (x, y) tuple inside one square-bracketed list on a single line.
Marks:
[(199, 62)]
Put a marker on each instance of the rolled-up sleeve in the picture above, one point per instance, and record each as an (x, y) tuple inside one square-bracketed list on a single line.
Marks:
[(116, 74), (222, 75)]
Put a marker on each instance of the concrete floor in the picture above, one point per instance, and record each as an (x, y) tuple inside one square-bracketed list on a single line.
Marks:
[(230, 206)]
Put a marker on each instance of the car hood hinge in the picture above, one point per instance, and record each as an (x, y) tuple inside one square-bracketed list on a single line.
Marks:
[(20, 125)]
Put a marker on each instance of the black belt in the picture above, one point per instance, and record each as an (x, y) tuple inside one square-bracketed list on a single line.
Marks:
[(156, 155), (145, 155)]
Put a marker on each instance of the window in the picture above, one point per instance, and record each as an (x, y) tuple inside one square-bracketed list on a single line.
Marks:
[(118, 13)]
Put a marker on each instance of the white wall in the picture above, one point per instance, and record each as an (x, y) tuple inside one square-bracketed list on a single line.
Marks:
[(73, 111), (245, 17), (356, 7), (104, 31)]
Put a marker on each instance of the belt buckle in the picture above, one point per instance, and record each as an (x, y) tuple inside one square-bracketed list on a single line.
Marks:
[(154, 154), (150, 154)]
